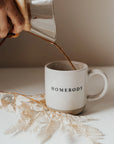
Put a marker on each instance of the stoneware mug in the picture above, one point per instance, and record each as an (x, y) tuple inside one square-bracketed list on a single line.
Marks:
[(66, 89)]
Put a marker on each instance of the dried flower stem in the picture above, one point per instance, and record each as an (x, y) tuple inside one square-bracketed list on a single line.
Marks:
[(30, 117)]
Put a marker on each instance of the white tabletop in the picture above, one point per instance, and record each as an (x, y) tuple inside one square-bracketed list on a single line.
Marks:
[(31, 81)]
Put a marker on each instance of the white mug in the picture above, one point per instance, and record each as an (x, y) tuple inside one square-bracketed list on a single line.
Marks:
[(66, 89)]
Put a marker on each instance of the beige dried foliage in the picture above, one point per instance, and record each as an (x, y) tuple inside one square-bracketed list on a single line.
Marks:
[(33, 115)]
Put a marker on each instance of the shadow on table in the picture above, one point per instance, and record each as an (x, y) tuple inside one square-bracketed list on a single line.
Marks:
[(107, 102), (25, 80), (101, 105), (31, 81)]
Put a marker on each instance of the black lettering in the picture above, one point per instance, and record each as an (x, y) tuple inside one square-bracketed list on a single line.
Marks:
[(74, 89), (78, 88), (56, 89), (81, 87), (65, 89), (52, 88), (61, 89)]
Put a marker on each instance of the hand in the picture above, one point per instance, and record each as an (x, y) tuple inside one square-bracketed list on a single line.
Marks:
[(10, 12)]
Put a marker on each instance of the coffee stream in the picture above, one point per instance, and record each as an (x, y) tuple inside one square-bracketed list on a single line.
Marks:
[(65, 55), (57, 46)]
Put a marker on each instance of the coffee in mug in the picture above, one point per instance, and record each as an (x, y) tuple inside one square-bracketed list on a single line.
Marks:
[(66, 89)]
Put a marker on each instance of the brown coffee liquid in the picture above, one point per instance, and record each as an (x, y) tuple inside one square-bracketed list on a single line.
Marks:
[(57, 46), (65, 55)]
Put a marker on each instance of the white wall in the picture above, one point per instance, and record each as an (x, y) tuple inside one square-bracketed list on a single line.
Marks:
[(85, 29)]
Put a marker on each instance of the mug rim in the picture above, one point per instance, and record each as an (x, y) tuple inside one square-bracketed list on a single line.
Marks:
[(85, 66)]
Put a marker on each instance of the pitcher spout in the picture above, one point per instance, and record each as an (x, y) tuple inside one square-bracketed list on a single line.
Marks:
[(42, 19)]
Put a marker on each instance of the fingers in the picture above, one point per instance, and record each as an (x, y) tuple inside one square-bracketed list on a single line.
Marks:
[(15, 16), (4, 27), (9, 9), (2, 4)]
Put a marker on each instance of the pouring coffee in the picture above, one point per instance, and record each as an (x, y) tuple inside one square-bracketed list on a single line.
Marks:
[(40, 21)]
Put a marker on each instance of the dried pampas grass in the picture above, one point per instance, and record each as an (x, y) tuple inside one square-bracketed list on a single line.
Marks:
[(34, 116)]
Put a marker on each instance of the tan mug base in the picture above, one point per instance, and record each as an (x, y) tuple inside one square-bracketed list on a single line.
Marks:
[(74, 112)]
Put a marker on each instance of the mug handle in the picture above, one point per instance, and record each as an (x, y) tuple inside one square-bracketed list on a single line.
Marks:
[(98, 96)]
